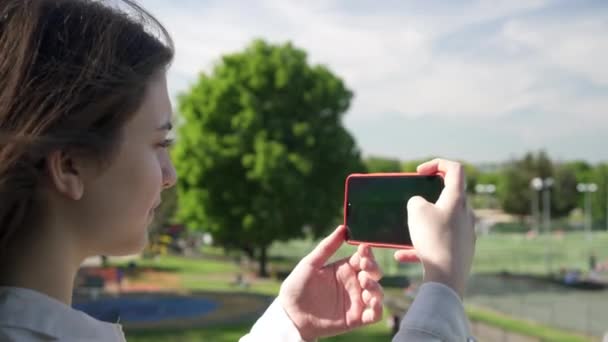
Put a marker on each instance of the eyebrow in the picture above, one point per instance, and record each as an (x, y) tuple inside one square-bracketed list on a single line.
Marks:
[(166, 126)]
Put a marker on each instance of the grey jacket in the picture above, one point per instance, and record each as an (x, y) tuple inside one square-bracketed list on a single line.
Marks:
[(25, 315), (436, 314)]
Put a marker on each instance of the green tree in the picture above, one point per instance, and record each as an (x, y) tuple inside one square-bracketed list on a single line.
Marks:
[(489, 178), (165, 213), (542, 165), (486, 177), (514, 190), (516, 195), (411, 165), (600, 200), (263, 152), (564, 194), (472, 176), (380, 164), (598, 174), (584, 173)]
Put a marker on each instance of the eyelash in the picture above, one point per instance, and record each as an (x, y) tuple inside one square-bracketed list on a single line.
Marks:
[(167, 143)]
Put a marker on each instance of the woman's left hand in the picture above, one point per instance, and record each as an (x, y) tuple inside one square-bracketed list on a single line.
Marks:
[(326, 300)]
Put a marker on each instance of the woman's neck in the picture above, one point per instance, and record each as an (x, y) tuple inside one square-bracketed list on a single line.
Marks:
[(47, 264)]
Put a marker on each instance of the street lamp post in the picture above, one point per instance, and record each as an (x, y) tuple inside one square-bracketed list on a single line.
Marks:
[(547, 184), (487, 190), (537, 185), (587, 189), (544, 185)]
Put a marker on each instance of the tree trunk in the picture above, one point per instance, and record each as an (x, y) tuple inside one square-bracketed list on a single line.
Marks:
[(250, 251), (263, 262)]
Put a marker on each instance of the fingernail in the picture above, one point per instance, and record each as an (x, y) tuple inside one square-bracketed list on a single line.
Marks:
[(373, 302), (365, 251)]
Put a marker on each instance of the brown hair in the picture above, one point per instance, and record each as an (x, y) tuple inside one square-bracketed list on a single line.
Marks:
[(71, 73)]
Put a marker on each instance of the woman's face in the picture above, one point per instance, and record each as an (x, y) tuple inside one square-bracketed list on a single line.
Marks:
[(118, 205)]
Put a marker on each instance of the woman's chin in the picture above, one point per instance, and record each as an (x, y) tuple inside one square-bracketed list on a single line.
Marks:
[(135, 245)]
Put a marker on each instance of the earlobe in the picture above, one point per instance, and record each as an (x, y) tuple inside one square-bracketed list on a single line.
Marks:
[(65, 174)]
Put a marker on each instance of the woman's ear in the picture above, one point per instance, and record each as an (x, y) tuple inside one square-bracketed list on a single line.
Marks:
[(66, 174)]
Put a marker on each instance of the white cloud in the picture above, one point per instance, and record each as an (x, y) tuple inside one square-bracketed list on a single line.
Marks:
[(389, 59), (578, 45), (477, 59)]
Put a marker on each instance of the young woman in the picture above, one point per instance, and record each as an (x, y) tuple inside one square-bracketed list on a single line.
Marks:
[(84, 119)]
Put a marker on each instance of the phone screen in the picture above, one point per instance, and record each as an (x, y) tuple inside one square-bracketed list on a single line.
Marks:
[(376, 206)]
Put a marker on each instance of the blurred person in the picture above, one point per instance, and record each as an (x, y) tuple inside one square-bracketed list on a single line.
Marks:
[(592, 262)]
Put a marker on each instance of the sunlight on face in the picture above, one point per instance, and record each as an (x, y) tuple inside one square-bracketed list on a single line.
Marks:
[(119, 205)]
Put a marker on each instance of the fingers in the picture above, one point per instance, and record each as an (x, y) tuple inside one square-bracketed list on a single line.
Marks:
[(473, 220), (453, 172), (368, 264), (406, 255), (355, 260), (417, 205), (374, 290), (364, 260), (372, 313), (454, 178), (367, 282), (368, 275), (326, 248), (419, 211), (372, 296)]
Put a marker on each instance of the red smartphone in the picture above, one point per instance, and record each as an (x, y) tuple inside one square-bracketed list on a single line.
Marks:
[(375, 206)]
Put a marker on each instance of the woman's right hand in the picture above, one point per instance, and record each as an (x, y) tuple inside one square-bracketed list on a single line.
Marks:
[(443, 233)]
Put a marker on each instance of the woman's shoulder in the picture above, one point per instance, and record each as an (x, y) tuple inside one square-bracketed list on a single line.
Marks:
[(27, 315)]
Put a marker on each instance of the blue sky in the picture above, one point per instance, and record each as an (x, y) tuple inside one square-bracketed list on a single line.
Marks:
[(481, 80)]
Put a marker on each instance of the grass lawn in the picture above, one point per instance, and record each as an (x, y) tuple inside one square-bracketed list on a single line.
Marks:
[(219, 334), (231, 333), (494, 253), (183, 265), (216, 275), (522, 327), (515, 253)]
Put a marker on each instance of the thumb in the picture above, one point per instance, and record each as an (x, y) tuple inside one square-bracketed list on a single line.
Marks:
[(418, 212), (417, 207), (406, 255), (326, 248)]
